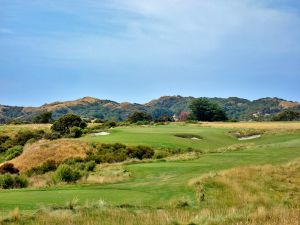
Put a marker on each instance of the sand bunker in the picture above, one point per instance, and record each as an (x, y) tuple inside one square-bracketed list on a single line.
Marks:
[(250, 137), (102, 134)]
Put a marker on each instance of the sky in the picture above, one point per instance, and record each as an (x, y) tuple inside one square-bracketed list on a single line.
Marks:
[(138, 50)]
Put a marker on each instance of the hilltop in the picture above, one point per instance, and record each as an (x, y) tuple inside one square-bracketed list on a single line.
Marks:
[(89, 107)]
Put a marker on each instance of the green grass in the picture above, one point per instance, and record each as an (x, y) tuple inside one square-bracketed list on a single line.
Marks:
[(164, 137), (158, 183)]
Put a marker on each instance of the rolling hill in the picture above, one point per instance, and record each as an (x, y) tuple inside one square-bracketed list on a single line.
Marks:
[(88, 107)]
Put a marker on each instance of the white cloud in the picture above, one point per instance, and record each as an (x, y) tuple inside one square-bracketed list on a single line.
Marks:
[(169, 31)]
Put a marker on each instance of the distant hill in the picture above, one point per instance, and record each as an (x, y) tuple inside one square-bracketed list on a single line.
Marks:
[(88, 107)]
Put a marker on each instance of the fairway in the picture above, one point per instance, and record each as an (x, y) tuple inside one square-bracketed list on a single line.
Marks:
[(165, 137), (157, 183)]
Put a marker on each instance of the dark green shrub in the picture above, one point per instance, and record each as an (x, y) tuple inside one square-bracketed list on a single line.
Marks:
[(66, 122), (44, 117), (67, 174), (75, 132), (13, 152), (21, 182), (139, 116), (110, 124), (8, 181), (8, 168), (90, 166), (140, 152), (49, 165)]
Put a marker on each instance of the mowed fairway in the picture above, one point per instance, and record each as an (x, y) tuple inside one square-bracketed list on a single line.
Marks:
[(164, 137), (159, 183)]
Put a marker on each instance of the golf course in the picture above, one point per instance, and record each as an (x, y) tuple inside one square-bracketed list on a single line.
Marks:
[(166, 182)]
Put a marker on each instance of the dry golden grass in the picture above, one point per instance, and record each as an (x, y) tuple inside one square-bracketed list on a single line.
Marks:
[(13, 129), (256, 125), (41, 151), (251, 195)]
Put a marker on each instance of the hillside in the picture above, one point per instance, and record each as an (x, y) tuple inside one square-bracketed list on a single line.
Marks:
[(88, 107)]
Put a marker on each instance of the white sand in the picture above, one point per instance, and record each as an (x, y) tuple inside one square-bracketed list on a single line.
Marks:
[(250, 137), (102, 134), (194, 138)]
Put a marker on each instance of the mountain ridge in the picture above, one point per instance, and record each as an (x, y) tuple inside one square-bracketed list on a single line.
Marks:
[(90, 107)]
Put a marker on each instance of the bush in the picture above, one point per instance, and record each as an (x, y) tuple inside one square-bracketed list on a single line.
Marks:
[(23, 136), (13, 152), (139, 116), (140, 152), (90, 166), (110, 124), (75, 132), (8, 168), (8, 181), (4, 142), (117, 152), (66, 122), (67, 174), (44, 117), (52, 135), (49, 165)]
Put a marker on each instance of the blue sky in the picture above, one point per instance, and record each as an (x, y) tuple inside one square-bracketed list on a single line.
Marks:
[(137, 50)]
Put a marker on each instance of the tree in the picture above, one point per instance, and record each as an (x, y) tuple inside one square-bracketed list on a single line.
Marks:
[(66, 122), (165, 118), (139, 116), (205, 110), (45, 117), (287, 115)]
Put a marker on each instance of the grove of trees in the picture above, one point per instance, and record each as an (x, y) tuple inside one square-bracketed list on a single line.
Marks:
[(203, 109)]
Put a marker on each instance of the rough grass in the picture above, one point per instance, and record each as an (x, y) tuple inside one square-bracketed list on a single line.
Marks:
[(13, 129), (38, 153), (251, 195), (256, 125)]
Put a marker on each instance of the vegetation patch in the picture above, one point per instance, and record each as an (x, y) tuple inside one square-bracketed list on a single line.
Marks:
[(247, 133), (8, 181), (112, 153)]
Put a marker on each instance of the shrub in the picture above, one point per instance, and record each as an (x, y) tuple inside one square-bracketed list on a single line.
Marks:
[(13, 152), (110, 124), (4, 143), (44, 117), (66, 122), (140, 152), (8, 168), (23, 136), (8, 181), (90, 166), (67, 174), (75, 132), (49, 165), (139, 116), (118, 153), (52, 135)]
